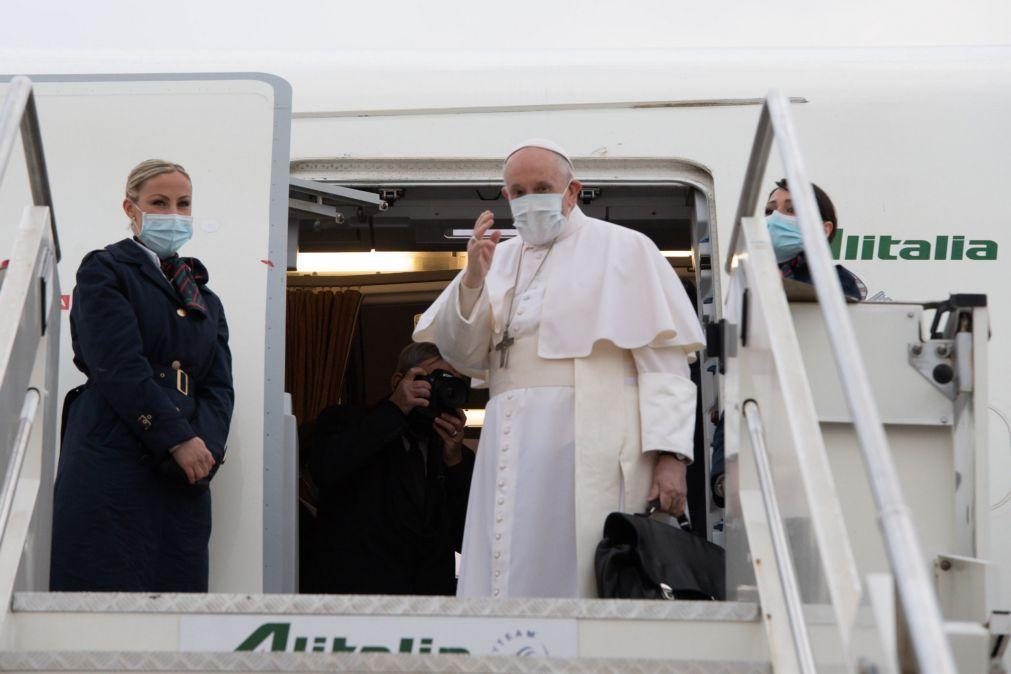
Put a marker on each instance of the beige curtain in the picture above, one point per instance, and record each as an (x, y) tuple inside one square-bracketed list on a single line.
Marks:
[(320, 324)]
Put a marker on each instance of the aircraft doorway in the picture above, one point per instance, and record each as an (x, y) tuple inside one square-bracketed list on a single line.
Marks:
[(393, 244)]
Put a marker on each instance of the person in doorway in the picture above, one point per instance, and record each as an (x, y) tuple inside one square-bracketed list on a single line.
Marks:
[(584, 334), (393, 485), (144, 435), (789, 246)]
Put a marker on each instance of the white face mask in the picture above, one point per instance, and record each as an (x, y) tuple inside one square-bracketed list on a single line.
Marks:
[(538, 218), (164, 233)]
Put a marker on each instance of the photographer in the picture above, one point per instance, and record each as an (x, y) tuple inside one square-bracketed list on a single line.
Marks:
[(393, 484)]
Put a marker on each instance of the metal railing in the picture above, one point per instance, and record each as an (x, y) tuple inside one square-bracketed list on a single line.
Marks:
[(17, 459), (916, 594), (19, 113), (29, 297), (780, 546)]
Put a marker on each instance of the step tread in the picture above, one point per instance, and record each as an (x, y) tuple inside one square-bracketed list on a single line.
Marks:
[(282, 604), (78, 661)]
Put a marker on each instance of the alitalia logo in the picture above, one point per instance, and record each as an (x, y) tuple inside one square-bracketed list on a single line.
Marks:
[(886, 247), (277, 637)]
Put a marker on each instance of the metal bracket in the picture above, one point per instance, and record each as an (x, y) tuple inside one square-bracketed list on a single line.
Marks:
[(956, 308), (933, 359), (721, 342), (745, 301), (588, 194), (47, 281), (945, 360), (1000, 630), (389, 196)]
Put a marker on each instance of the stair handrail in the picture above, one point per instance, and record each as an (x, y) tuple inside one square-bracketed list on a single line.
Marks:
[(26, 421), (19, 113), (780, 546), (918, 599)]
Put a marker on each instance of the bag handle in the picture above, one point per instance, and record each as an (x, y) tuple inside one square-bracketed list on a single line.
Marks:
[(683, 521)]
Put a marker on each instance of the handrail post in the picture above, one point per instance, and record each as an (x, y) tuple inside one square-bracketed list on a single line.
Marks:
[(19, 112), (11, 113), (38, 173), (757, 162)]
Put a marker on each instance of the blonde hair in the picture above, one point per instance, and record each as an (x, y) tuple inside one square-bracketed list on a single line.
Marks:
[(147, 169)]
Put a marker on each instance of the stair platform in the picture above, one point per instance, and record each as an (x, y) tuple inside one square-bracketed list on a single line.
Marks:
[(63, 632)]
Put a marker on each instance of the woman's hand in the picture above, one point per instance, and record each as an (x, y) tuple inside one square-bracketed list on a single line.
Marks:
[(480, 251), (194, 458)]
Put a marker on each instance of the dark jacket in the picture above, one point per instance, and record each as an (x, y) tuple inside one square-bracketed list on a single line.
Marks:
[(853, 288), (389, 518), (124, 517)]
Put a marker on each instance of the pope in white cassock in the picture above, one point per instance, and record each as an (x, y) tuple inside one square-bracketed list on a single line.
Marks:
[(584, 334)]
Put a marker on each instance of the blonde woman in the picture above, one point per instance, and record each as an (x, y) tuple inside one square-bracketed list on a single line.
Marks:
[(145, 434)]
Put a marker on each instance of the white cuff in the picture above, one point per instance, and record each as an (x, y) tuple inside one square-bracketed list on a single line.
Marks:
[(468, 300), (667, 413)]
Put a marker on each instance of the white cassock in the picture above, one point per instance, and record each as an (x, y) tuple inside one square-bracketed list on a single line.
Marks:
[(597, 381)]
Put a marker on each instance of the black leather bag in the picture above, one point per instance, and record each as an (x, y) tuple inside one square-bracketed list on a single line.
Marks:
[(641, 558)]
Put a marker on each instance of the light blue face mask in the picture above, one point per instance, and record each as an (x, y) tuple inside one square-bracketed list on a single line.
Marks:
[(165, 233), (785, 234), (538, 218)]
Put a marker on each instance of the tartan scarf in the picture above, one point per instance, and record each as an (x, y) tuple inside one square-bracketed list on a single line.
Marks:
[(186, 274), (790, 267)]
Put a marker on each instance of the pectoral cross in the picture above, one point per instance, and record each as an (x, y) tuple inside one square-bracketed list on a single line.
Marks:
[(503, 348)]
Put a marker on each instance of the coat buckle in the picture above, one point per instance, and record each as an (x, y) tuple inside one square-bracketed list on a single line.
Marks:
[(182, 382)]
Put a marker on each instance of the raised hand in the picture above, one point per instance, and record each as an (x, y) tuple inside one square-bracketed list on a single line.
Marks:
[(480, 250)]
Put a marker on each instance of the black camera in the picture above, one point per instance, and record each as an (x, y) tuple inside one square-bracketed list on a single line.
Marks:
[(449, 393)]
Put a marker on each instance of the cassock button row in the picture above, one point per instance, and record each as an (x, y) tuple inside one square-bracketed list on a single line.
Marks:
[(498, 555), (506, 431), (497, 573), (501, 466), (501, 483), (498, 518), (498, 537), (501, 500), (509, 414), (495, 593)]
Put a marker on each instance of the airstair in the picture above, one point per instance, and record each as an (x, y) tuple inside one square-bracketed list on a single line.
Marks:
[(856, 527)]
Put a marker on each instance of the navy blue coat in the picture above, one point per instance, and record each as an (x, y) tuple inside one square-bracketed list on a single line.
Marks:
[(125, 519)]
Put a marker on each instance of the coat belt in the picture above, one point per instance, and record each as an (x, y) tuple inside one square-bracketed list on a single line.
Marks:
[(172, 377)]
